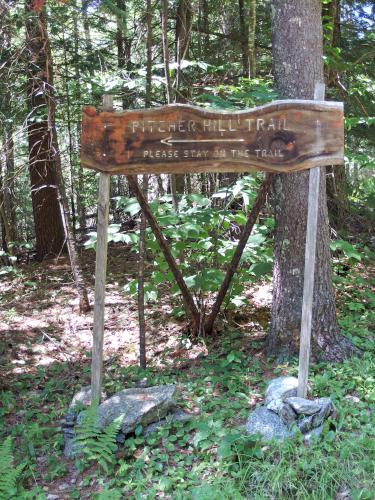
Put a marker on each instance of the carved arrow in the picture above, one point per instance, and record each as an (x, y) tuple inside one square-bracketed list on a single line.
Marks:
[(169, 141)]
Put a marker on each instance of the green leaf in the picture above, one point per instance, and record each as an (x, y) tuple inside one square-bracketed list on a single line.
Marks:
[(261, 268), (347, 249), (128, 205)]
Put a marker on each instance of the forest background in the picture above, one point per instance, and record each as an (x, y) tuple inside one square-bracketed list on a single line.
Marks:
[(58, 56)]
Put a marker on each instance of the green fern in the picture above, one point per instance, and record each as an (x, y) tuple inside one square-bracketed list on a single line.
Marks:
[(8, 473), (94, 443)]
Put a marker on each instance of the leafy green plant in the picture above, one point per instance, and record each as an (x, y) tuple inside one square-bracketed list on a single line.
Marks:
[(8, 473), (245, 94), (96, 444), (349, 250), (203, 237)]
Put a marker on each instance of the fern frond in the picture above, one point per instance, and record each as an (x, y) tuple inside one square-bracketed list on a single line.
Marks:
[(8, 473), (94, 443)]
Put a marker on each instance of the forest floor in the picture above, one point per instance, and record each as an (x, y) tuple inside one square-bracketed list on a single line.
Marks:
[(45, 358)]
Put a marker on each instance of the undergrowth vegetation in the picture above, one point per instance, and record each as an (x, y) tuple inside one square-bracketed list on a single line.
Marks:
[(208, 457), (203, 238)]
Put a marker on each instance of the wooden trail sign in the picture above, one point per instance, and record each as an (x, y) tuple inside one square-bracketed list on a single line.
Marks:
[(284, 136)]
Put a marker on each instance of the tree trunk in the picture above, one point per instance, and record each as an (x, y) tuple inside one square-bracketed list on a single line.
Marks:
[(86, 27), (244, 38), (81, 209), (143, 224), (331, 17), (123, 43), (9, 208), (9, 199), (337, 182), (4, 223), (183, 31), (141, 281), (297, 52), (49, 228), (50, 206), (164, 35), (252, 29)]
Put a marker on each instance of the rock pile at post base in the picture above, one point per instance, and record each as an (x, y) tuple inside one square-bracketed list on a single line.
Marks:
[(149, 407), (283, 412)]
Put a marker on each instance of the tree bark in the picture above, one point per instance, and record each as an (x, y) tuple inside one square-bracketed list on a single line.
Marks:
[(252, 32), (203, 28), (182, 89), (244, 38), (143, 224), (49, 228), (123, 43), (182, 34), (7, 177), (9, 197), (164, 35), (337, 182), (141, 281), (297, 51), (81, 209), (50, 206)]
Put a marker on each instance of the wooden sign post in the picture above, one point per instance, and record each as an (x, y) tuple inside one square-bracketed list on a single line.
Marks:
[(309, 274), (281, 137)]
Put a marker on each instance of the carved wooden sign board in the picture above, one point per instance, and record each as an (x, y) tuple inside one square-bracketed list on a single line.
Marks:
[(284, 136)]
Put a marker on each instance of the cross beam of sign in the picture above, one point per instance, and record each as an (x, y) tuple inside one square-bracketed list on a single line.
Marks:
[(169, 141)]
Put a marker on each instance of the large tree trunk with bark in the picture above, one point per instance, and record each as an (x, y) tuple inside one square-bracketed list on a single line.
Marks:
[(8, 204), (297, 52), (50, 207), (49, 228)]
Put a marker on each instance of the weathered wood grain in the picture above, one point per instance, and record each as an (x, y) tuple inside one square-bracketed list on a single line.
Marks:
[(100, 278), (283, 136), (309, 273)]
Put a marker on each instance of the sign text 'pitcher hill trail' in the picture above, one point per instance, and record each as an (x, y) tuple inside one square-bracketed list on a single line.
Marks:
[(283, 136)]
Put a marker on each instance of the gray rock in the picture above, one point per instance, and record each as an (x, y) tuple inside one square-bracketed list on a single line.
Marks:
[(275, 405), (281, 388), (285, 412), (288, 415), (137, 406), (69, 432), (70, 449), (314, 433), (326, 406), (175, 416), (268, 424), (304, 406), (305, 425), (310, 422), (83, 397), (326, 410)]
